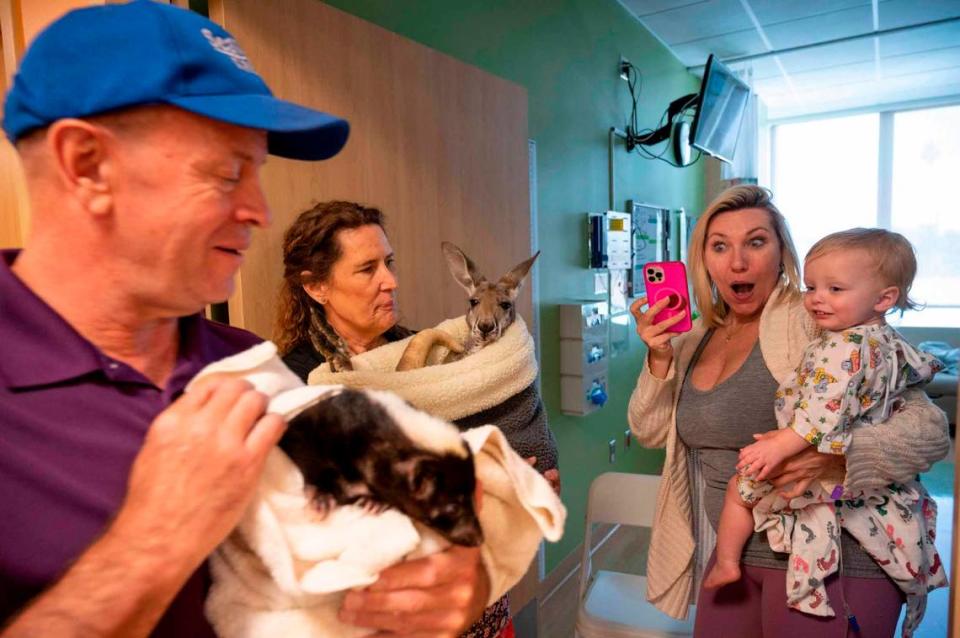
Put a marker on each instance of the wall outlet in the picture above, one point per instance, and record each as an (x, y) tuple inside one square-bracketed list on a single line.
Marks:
[(613, 450), (626, 438), (623, 68)]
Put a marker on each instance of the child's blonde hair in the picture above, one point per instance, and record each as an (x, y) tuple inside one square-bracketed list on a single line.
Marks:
[(893, 256)]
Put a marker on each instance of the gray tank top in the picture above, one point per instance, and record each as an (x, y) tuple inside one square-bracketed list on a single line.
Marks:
[(714, 424)]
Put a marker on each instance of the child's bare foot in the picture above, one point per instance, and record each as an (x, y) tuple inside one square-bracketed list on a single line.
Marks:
[(722, 574)]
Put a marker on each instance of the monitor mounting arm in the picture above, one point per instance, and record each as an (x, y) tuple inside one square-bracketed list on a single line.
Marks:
[(662, 133)]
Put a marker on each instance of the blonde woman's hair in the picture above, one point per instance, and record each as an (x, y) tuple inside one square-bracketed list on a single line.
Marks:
[(894, 258), (712, 307)]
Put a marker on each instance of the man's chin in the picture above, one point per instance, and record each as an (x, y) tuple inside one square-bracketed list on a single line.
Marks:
[(212, 298)]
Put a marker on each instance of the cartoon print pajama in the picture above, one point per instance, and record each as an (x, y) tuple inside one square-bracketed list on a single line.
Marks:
[(850, 379)]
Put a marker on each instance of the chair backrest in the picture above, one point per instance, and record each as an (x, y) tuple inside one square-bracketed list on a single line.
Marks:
[(617, 497)]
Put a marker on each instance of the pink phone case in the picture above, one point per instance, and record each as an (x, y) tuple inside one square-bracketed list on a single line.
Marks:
[(668, 279)]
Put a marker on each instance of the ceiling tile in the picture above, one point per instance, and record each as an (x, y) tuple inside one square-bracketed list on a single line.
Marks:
[(834, 76), (767, 87), (898, 13), (762, 68), (642, 8), (864, 94), (821, 27), (770, 12), (828, 56), (921, 39), (916, 64), (921, 63), (696, 22), (727, 46)]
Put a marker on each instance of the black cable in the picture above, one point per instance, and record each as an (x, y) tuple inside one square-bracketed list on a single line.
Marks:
[(660, 156), (635, 86), (636, 137)]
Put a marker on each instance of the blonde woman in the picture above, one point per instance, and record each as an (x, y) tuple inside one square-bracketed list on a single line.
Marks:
[(708, 393)]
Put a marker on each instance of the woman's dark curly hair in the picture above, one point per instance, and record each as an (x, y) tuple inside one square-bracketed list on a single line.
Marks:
[(311, 245)]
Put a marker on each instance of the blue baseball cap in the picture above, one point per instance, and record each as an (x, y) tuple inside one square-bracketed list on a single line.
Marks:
[(116, 56)]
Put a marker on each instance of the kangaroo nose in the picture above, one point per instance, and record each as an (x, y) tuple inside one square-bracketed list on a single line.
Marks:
[(486, 328)]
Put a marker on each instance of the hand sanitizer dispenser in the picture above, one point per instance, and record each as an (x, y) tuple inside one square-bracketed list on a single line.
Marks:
[(584, 352)]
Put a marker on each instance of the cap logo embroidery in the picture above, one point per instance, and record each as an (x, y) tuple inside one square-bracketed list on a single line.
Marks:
[(230, 48)]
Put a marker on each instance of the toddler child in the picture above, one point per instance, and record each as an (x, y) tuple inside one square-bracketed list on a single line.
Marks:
[(849, 377)]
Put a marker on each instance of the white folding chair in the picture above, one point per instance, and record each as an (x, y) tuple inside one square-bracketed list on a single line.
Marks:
[(613, 604)]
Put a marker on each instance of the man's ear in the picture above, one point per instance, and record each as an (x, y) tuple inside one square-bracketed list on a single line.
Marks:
[(887, 298), (80, 154)]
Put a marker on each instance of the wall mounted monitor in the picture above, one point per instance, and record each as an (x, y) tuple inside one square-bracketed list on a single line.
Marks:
[(719, 111)]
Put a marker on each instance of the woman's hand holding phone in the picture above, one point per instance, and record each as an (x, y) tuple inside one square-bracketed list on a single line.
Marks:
[(668, 280), (656, 336), (667, 316)]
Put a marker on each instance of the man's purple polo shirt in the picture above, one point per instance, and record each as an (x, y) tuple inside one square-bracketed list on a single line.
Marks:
[(71, 423)]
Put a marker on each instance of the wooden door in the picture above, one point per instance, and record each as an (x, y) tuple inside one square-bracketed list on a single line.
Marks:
[(438, 145)]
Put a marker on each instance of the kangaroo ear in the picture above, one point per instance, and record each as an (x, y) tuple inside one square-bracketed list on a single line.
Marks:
[(462, 269), (513, 279)]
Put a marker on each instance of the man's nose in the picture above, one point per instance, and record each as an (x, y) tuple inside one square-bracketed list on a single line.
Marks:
[(252, 207)]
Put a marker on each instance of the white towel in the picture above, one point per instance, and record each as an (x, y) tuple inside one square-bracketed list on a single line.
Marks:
[(284, 570)]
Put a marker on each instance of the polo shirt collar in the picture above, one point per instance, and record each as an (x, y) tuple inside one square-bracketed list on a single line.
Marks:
[(41, 348)]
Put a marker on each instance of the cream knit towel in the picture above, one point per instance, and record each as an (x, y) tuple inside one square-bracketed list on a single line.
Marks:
[(453, 390), (282, 572)]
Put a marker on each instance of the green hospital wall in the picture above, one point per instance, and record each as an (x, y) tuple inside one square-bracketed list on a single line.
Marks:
[(565, 53)]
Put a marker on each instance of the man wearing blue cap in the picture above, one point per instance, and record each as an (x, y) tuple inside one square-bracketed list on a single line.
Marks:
[(142, 129)]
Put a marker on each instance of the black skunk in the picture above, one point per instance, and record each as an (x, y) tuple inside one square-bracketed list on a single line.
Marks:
[(355, 447)]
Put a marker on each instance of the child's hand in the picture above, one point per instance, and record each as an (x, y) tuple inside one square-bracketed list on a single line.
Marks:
[(800, 470), (758, 460)]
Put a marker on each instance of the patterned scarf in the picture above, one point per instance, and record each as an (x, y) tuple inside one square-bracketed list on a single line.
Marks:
[(333, 347)]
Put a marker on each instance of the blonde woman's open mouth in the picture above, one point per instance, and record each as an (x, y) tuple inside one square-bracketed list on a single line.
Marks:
[(742, 290)]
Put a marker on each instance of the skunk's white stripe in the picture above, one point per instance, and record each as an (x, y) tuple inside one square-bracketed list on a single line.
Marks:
[(426, 431)]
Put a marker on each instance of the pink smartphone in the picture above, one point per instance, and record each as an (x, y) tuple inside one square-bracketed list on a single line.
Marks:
[(668, 279)]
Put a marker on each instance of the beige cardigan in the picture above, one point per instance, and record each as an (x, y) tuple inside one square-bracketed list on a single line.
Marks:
[(876, 456)]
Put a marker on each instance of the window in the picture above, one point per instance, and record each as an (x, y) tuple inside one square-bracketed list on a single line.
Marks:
[(820, 189), (925, 209), (893, 170)]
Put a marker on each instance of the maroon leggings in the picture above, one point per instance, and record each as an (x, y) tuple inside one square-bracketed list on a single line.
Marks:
[(756, 607)]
